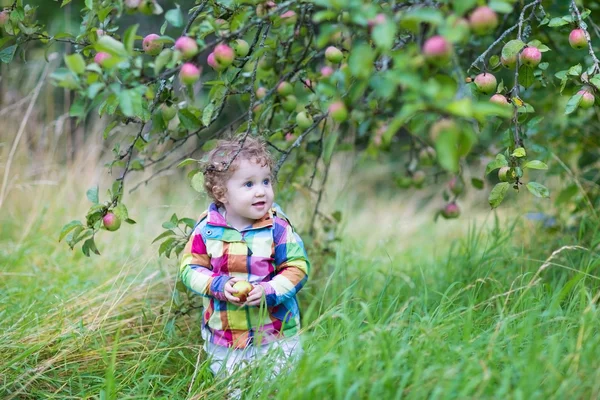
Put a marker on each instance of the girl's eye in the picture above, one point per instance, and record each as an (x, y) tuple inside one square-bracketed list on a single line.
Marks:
[(266, 182), (248, 184)]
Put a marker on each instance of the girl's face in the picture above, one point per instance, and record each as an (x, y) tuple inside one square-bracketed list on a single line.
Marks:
[(249, 194)]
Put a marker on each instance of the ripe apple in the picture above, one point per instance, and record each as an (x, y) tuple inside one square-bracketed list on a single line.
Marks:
[(483, 20), (267, 62), (101, 57), (147, 7), (241, 48), (186, 46), (441, 126), (151, 45), (486, 83), (4, 16), (243, 288), (577, 39), (224, 54), (261, 92), (504, 174), (289, 103), (210, 60), (326, 71), (168, 112), (285, 88), (189, 74), (531, 56), (378, 20), (304, 120), (427, 155), (418, 178), (338, 111), (289, 17), (499, 99), (587, 99), (437, 50), (456, 185), (111, 222), (334, 55), (450, 211), (509, 62), (131, 4)]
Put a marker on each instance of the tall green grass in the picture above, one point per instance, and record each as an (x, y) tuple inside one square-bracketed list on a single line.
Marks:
[(487, 306), (485, 317)]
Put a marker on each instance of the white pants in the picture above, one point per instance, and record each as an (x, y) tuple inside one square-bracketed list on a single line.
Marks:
[(282, 352)]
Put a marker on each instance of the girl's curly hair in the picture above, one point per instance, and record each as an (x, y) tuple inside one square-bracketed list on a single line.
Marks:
[(218, 167)]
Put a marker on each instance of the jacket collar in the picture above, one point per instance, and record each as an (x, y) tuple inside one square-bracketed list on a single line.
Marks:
[(215, 218)]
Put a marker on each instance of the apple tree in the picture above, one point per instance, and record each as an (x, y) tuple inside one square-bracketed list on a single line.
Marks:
[(439, 85)]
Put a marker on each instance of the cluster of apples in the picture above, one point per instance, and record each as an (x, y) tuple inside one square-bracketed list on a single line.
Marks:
[(437, 49)]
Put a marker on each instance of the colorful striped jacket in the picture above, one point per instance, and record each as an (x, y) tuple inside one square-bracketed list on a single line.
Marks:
[(269, 253)]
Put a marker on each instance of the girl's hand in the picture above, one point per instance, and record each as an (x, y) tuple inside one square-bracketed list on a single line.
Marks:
[(229, 291), (255, 296)]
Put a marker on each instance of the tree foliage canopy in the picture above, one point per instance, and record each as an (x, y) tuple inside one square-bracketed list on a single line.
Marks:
[(437, 84)]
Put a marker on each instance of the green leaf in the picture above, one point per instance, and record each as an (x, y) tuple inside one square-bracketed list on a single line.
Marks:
[(477, 183), (163, 235), (164, 247), (111, 46), (121, 211), (462, 6), (7, 54), (361, 61), (595, 80), (126, 103), (92, 194), (207, 113), (573, 103), (93, 89), (499, 162), (384, 35), (129, 38), (174, 17), (497, 194), (501, 6), (162, 60), (189, 120), (575, 70), (108, 129), (535, 164), (446, 146), (538, 190), (75, 63), (198, 182), (526, 77), (68, 228), (555, 22), (512, 48), (187, 161), (519, 152), (90, 245)]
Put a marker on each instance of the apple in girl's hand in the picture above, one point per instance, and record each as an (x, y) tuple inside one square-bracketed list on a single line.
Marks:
[(243, 288)]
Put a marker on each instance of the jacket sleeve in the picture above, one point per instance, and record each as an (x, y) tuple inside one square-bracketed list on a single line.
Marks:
[(196, 270), (292, 265)]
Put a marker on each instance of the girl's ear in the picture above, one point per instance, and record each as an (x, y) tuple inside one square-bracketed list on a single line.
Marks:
[(219, 193)]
